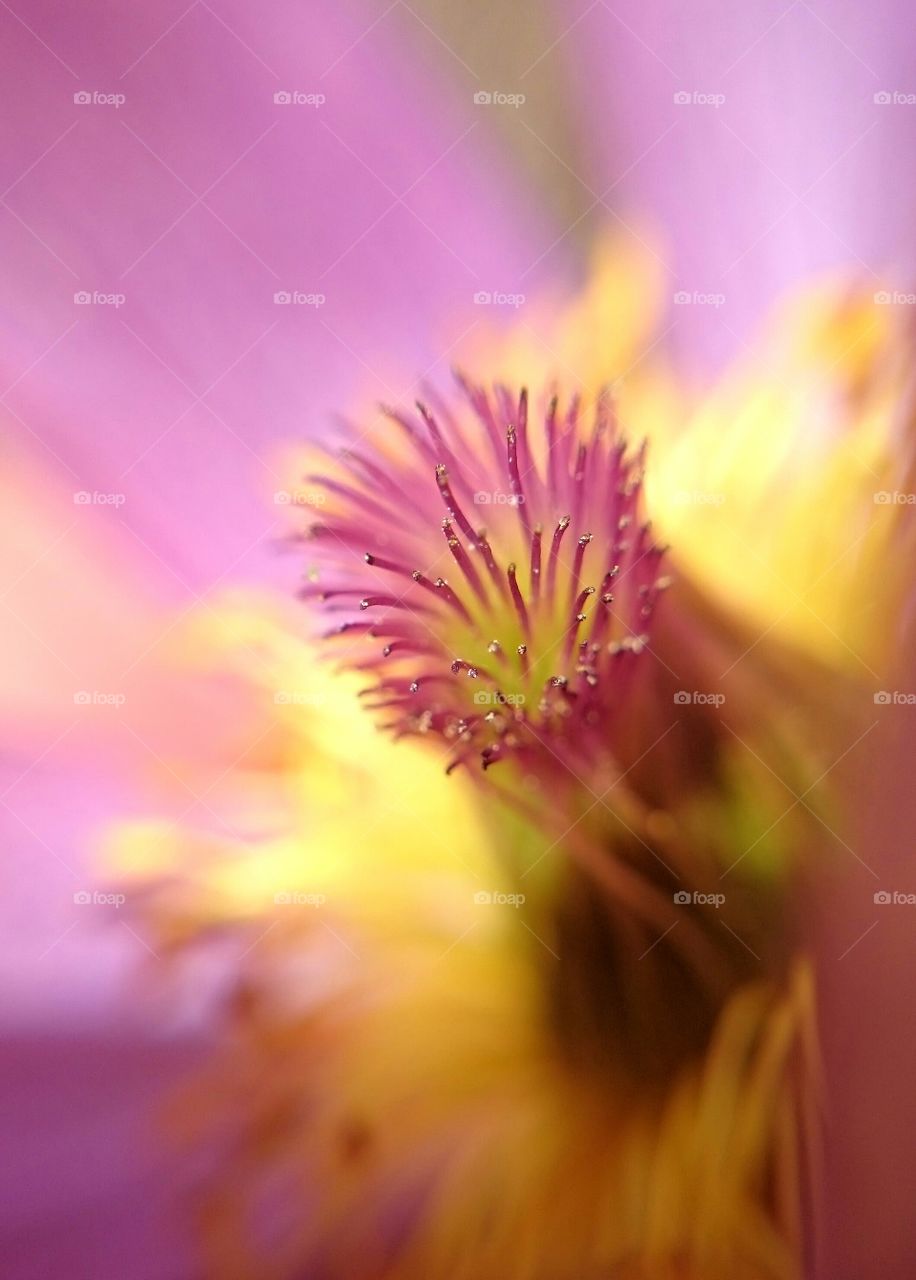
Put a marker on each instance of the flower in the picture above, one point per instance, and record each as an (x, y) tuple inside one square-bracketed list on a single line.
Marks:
[(416, 1070), (176, 385), (604, 995), (590, 962), (662, 879), (547, 606)]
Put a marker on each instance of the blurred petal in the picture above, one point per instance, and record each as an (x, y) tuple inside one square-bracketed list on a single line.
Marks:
[(87, 704), (390, 1054), (84, 1192), (779, 483), (188, 205), (750, 136)]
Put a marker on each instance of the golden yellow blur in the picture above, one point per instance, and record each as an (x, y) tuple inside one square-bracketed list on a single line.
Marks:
[(390, 1043), (308, 793), (771, 485), (393, 1063)]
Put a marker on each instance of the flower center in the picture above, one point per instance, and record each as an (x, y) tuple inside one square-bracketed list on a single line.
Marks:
[(497, 579)]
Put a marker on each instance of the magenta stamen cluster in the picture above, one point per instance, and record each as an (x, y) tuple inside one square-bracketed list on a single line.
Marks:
[(495, 580)]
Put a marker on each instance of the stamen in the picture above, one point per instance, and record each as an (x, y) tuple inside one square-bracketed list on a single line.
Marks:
[(515, 480), (490, 561), (451, 503), (464, 563), (442, 591), (562, 526), (473, 671), (522, 652), (517, 598), (551, 426), (384, 503), (579, 481), (577, 563), (602, 618), (496, 649), (382, 602), (578, 619), (379, 562), (536, 563)]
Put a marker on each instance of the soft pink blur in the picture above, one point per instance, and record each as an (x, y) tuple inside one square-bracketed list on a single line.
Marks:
[(199, 198), (795, 170)]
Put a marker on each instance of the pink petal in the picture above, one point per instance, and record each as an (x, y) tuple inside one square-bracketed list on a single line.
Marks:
[(197, 199), (798, 169)]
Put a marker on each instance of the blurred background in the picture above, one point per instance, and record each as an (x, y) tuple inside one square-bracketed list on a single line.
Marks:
[(223, 224)]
